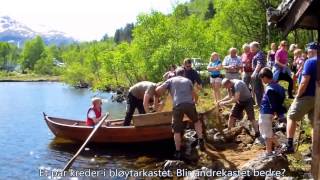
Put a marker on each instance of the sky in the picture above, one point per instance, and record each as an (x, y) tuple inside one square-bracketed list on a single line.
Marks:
[(84, 20)]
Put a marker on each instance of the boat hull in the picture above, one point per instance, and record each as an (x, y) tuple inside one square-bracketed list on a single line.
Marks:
[(78, 131)]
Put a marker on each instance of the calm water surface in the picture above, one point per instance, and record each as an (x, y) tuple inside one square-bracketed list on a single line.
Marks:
[(27, 144)]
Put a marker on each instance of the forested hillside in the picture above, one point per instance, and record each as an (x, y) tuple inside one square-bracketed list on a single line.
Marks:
[(155, 41)]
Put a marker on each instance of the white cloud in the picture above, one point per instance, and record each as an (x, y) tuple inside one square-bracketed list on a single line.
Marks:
[(82, 19)]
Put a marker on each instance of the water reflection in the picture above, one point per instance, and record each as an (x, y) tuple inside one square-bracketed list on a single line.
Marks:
[(146, 156), (28, 144)]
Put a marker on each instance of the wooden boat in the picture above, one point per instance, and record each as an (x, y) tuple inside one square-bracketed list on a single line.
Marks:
[(142, 131)]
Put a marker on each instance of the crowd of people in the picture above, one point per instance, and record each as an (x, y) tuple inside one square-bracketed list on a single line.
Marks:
[(251, 79)]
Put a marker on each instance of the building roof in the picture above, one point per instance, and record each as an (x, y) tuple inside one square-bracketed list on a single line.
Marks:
[(291, 14)]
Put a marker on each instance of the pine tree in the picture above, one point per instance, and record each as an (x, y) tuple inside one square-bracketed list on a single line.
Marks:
[(210, 11), (117, 36)]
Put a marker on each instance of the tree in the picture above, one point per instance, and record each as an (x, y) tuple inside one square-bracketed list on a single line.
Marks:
[(124, 34), (117, 36), (105, 37), (4, 54), (32, 52), (181, 11), (210, 11)]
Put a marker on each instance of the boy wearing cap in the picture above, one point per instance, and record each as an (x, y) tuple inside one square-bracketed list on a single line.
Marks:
[(304, 102), (271, 104), (94, 114)]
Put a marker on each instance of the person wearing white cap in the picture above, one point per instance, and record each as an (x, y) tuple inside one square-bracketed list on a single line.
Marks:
[(94, 114)]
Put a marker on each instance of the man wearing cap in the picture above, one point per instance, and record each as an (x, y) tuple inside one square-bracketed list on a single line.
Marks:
[(94, 114), (239, 93), (182, 93), (140, 96), (304, 102)]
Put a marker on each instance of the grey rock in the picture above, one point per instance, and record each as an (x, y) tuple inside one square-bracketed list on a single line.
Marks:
[(244, 138), (232, 133), (259, 141), (281, 137), (193, 174), (307, 160), (246, 124), (280, 127), (173, 165), (218, 165), (265, 164), (190, 142), (285, 178), (219, 138)]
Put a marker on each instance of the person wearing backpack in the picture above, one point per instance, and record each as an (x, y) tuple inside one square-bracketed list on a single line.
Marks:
[(271, 105)]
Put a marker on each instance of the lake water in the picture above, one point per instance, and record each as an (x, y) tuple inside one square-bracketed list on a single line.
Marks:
[(28, 146)]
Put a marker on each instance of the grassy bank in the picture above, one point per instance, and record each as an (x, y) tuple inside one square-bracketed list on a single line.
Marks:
[(18, 77)]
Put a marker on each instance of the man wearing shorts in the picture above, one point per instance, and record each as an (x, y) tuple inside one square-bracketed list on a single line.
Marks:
[(239, 93), (304, 102), (271, 104), (182, 93)]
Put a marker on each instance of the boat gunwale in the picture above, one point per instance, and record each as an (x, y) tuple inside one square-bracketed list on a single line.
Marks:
[(49, 118)]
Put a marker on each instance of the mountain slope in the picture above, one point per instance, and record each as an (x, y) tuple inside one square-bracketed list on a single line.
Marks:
[(15, 32)]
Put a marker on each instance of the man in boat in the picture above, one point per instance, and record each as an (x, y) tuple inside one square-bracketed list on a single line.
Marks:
[(141, 96), (182, 93), (240, 95), (94, 114)]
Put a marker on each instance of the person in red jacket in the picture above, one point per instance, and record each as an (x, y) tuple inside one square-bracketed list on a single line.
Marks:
[(94, 114)]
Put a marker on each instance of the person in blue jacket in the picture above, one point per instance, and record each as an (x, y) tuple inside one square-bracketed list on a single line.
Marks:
[(271, 105)]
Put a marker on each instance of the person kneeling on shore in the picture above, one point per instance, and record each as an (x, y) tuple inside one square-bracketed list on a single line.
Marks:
[(271, 104), (94, 114), (181, 90), (239, 93), (140, 96)]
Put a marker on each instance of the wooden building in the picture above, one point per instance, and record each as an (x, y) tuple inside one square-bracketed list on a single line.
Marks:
[(289, 15)]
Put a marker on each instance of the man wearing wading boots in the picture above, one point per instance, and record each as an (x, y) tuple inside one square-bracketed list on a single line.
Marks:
[(182, 93), (141, 96)]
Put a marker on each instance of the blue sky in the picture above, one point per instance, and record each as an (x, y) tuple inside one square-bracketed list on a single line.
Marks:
[(82, 19)]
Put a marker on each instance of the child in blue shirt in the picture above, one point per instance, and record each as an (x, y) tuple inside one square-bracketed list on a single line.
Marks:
[(271, 105)]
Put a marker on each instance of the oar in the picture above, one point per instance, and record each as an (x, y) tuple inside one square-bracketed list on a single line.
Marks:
[(86, 142)]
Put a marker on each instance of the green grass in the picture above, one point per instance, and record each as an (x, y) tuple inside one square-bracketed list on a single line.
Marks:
[(14, 76)]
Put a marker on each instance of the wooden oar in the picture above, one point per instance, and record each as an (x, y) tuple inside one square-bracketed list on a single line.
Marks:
[(86, 142)]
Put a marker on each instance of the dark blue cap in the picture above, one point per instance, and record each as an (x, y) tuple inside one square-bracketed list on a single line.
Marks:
[(313, 45)]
